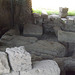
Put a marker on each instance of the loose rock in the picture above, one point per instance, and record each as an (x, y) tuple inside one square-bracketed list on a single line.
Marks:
[(20, 60)]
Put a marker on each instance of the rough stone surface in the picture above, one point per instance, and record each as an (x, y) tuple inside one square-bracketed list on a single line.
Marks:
[(4, 66), (46, 49), (20, 60), (16, 40), (65, 36), (45, 67), (11, 73), (63, 12), (31, 29)]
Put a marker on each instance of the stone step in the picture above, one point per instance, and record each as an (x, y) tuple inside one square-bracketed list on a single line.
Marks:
[(31, 29)]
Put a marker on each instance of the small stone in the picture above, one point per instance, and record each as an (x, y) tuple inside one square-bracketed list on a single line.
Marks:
[(44, 14), (20, 59), (63, 12), (4, 66)]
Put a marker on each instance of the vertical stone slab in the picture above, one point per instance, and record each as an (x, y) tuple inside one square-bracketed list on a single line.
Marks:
[(4, 66), (20, 60)]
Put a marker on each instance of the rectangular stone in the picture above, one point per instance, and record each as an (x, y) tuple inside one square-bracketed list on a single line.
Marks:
[(31, 29), (19, 58), (64, 36)]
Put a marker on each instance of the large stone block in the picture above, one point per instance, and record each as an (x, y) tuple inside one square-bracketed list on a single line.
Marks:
[(45, 67), (20, 60), (9, 39), (65, 36), (4, 66), (46, 49)]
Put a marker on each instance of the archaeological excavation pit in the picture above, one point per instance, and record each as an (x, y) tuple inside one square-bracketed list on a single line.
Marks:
[(29, 40)]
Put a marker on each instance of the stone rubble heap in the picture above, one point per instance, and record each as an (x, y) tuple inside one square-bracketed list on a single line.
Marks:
[(50, 21), (17, 61)]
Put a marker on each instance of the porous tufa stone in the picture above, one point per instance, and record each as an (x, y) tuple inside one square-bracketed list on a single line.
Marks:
[(20, 59)]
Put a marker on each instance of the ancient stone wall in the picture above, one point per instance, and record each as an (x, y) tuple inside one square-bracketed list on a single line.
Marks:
[(20, 64)]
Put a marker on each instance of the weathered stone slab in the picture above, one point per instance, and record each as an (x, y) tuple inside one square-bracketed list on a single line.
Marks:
[(46, 49), (65, 36), (11, 73), (31, 29), (20, 60), (16, 40), (45, 67), (4, 66)]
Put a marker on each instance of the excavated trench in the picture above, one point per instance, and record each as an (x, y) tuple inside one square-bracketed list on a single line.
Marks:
[(70, 72)]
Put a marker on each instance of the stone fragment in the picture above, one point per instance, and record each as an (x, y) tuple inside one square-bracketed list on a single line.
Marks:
[(4, 65), (63, 12), (45, 67), (20, 60), (11, 73), (65, 36), (36, 16), (64, 20), (44, 14)]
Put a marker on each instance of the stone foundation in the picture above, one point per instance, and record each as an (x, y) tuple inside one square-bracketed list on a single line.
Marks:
[(18, 62)]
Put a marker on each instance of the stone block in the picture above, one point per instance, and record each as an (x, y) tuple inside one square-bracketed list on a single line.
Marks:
[(63, 15), (63, 12), (20, 60), (45, 67), (4, 66), (44, 14), (65, 36), (31, 29), (46, 49)]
